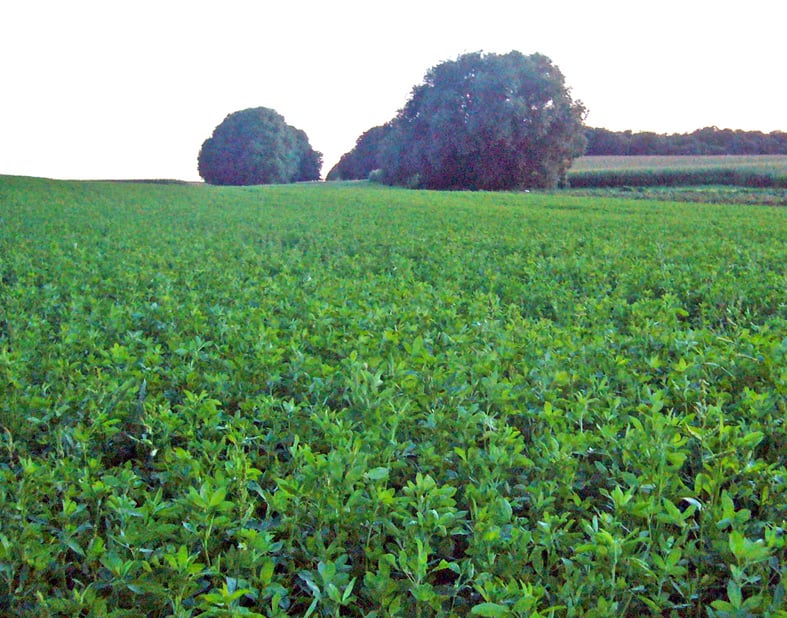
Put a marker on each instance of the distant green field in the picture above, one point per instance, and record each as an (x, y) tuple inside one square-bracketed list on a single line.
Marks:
[(762, 163), (351, 400), (760, 171)]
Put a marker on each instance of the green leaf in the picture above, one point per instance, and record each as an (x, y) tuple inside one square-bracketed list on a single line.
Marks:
[(198, 500), (750, 440), (327, 571), (736, 543), (348, 591), (490, 610), (309, 581), (423, 593), (746, 551), (734, 594), (377, 474), (333, 593), (217, 497), (266, 571), (75, 547)]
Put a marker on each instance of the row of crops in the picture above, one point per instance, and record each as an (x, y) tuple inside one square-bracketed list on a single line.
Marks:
[(765, 171), (327, 400)]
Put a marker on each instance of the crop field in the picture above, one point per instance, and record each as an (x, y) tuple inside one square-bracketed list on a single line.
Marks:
[(351, 400), (760, 171), (711, 194), (759, 163)]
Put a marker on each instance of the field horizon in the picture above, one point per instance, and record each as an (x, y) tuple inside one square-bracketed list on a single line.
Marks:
[(594, 163)]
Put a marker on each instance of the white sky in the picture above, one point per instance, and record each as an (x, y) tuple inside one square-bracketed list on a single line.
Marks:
[(122, 89)]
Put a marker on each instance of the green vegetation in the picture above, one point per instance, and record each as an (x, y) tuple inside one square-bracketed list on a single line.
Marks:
[(719, 194), (645, 171), (481, 122), (646, 177), (355, 400), (706, 141), (364, 158), (776, 164), (255, 147)]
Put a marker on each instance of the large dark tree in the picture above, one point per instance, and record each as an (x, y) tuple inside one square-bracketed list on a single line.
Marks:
[(256, 146), (361, 160), (486, 121)]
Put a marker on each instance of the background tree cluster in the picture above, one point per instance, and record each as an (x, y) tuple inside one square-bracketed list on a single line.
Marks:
[(483, 121), (256, 146), (707, 141), (363, 158)]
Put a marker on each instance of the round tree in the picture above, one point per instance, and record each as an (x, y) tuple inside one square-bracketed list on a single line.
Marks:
[(256, 146), (486, 121)]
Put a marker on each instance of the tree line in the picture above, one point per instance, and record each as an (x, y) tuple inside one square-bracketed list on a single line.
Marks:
[(707, 141), (483, 121)]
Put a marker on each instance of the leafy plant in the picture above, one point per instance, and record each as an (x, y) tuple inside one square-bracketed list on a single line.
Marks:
[(527, 405)]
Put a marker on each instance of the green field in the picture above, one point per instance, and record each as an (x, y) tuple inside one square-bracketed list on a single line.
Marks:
[(759, 163), (350, 400), (753, 171)]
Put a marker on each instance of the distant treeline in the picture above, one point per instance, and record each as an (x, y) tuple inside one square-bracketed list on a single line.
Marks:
[(707, 141)]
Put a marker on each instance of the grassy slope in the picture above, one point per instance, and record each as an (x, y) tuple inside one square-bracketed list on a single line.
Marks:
[(450, 400)]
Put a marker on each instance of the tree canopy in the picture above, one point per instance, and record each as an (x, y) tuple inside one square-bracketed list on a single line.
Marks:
[(485, 121), (707, 141), (365, 157), (256, 146)]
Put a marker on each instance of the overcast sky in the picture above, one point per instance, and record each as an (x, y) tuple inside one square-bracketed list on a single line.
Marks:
[(121, 89)]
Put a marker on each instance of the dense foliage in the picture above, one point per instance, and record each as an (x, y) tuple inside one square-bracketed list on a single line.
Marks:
[(482, 121), (259, 401), (364, 158), (710, 141), (707, 141), (256, 146)]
